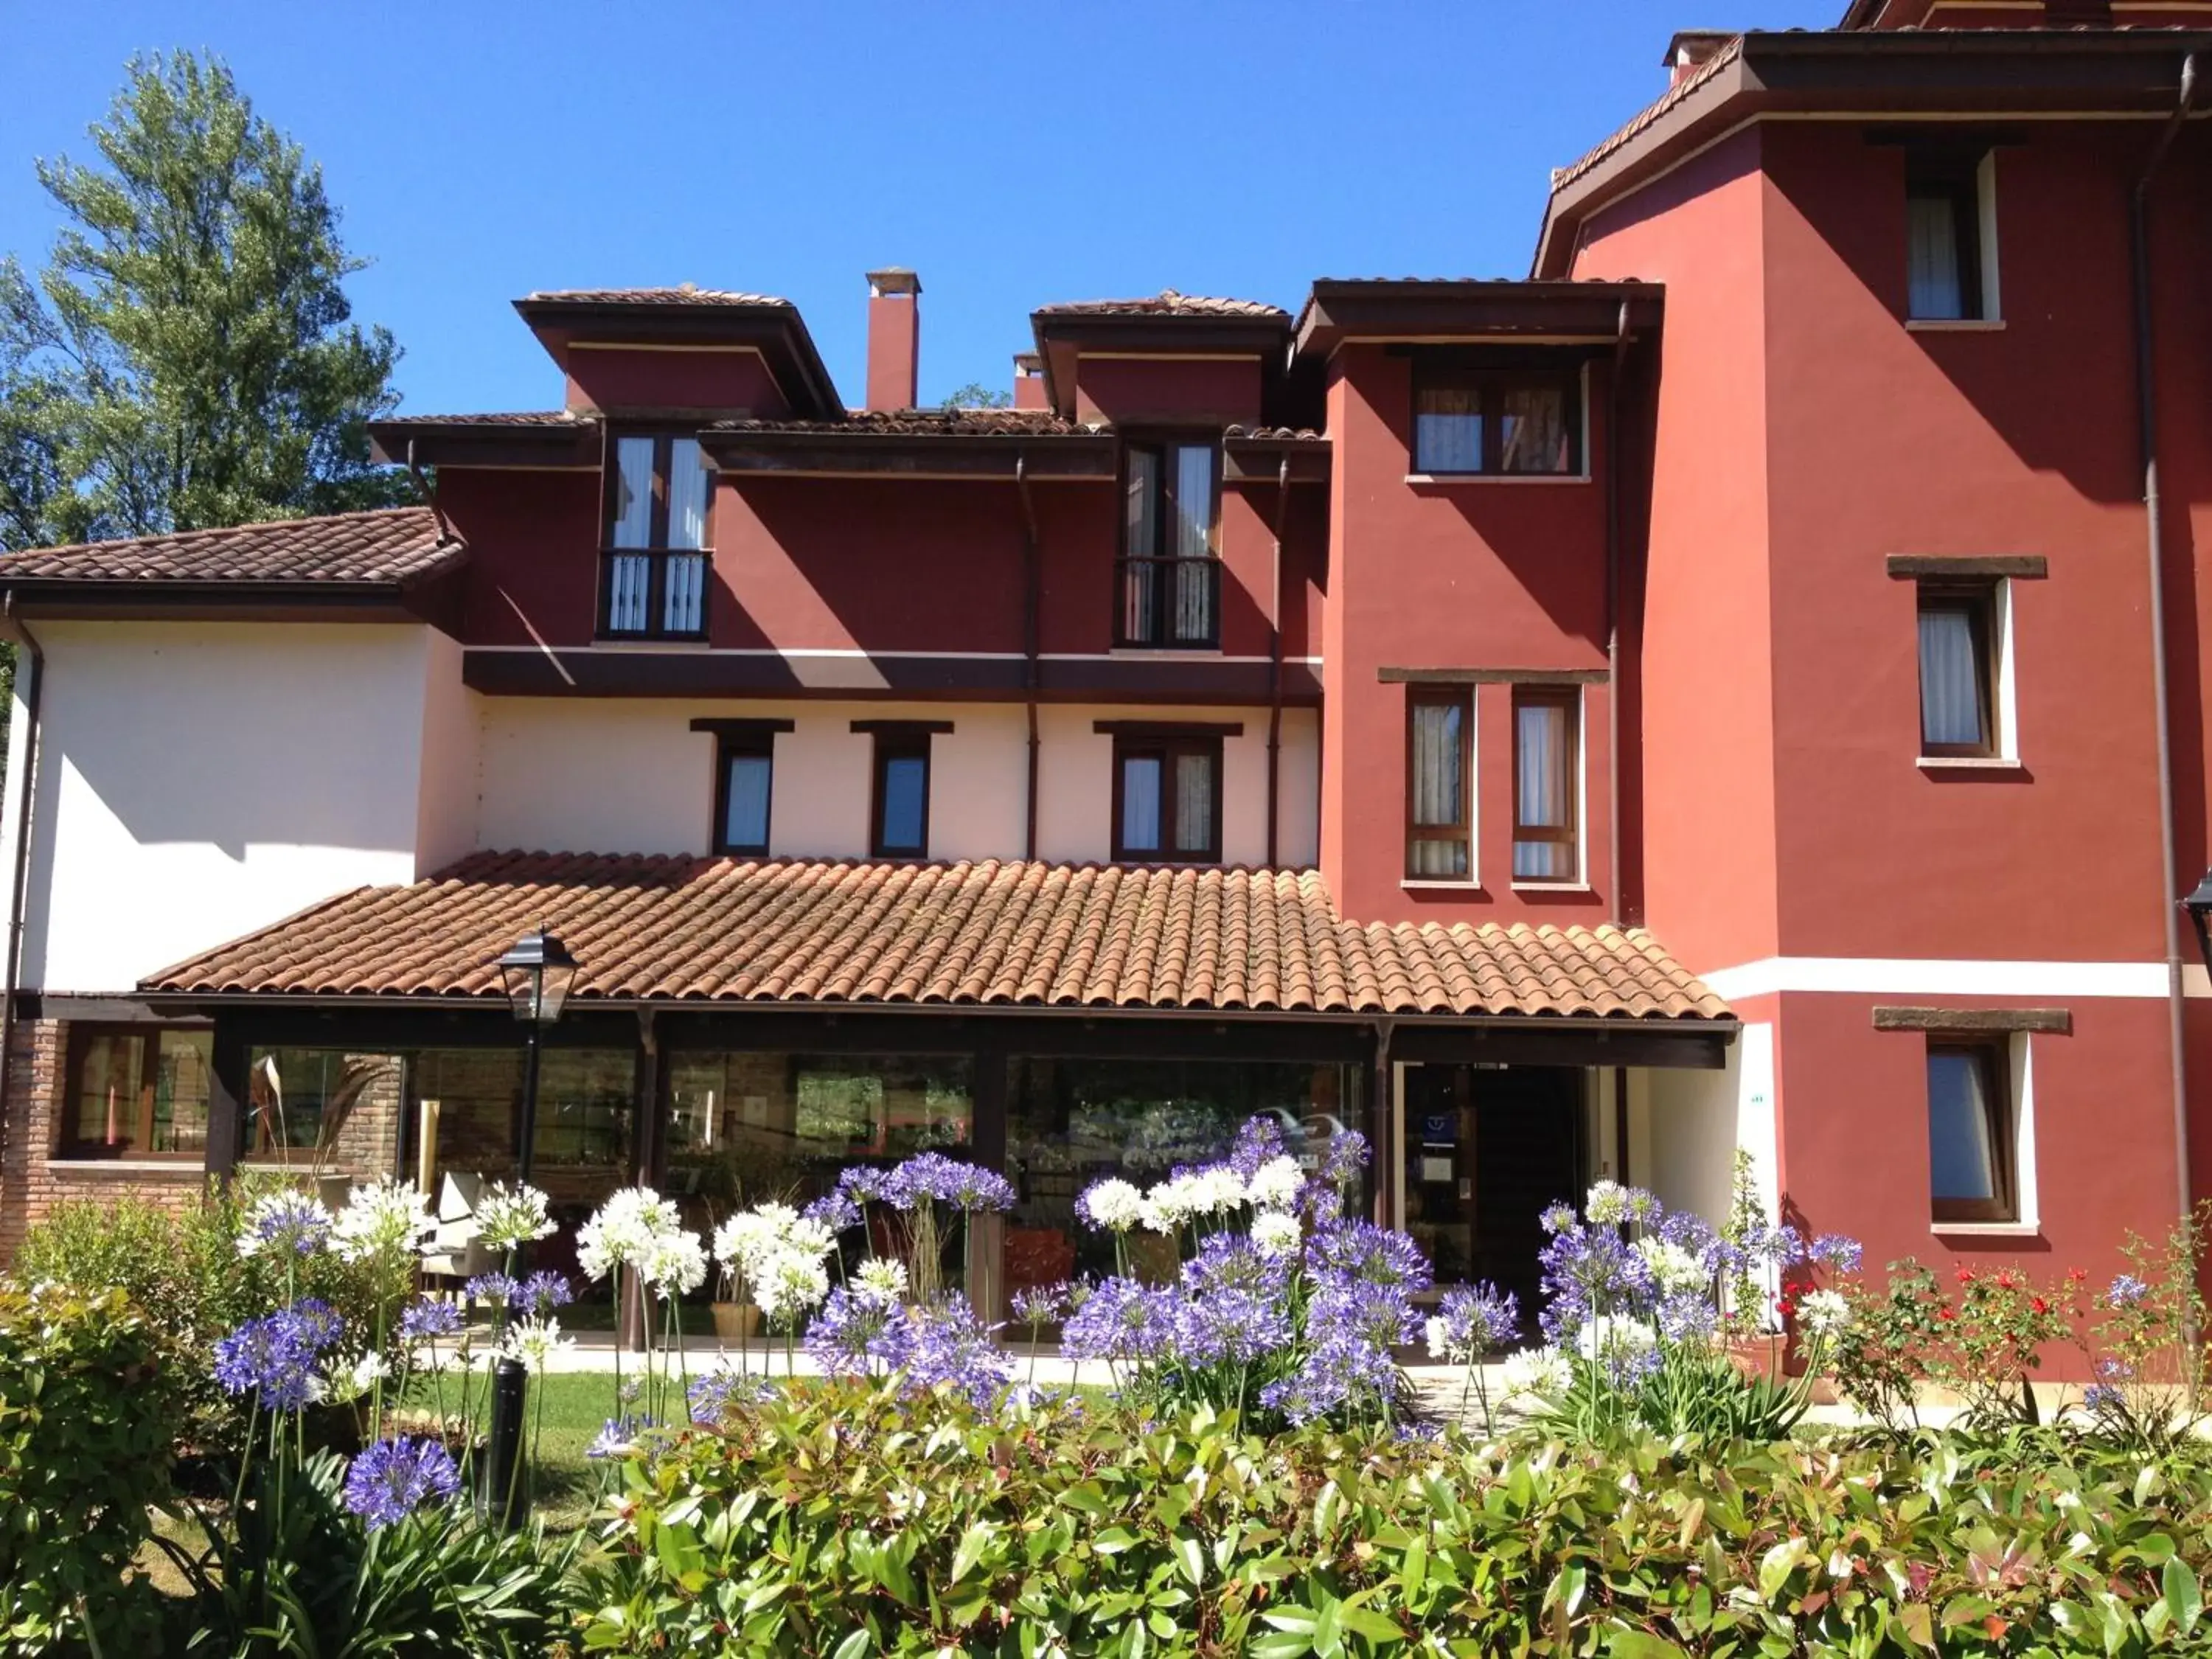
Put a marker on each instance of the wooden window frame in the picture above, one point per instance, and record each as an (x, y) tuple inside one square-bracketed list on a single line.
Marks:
[(1994, 1056), (898, 740), (657, 551), (1570, 835), (1978, 600), (1167, 745), (1954, 178), (1160, 560), (751, 738), (138, 1147), (1443, 696), (1491, 385)]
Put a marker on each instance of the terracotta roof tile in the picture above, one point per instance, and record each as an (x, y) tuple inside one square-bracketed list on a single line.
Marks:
[(395, 544), (684, 293), (1651, 112), (929, 423), (989, 934), (1166, 303), (531, 417)]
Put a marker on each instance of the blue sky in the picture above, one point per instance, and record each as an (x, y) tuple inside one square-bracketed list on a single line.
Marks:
[(1012, 156)]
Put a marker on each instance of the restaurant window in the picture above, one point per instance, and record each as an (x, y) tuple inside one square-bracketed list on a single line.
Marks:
[(1547, 783), (1439, 798), (138, 1093), (898, 804), (1167, 799), (1960, 645), (1476, 420), (659, 511), (328, 1108), (1969, 1139), (1169, 577), (1950, 251)]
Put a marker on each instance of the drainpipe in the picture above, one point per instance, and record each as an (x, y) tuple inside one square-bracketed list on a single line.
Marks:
[(1618, 902), (1030, 675), (1275, 662), (2153, 521), (33, 660)]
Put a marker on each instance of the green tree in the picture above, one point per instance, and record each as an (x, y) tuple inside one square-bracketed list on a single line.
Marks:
[(186, 358), (976, 395)]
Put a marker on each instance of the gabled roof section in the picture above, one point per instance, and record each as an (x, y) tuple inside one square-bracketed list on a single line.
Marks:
[(989, 934), (533, 438), (1341, 308), (1166, 303), (684, 294), (662, 316), (1165, 324)]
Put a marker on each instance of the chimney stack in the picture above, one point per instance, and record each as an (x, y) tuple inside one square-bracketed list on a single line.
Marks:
[(894, 337), (1691, 50), (1029, 381)]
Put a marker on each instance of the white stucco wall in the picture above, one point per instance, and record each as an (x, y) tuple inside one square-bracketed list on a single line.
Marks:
[(453, 720), (199, 779), (1685, 1126)]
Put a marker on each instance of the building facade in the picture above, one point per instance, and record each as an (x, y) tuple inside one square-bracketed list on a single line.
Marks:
[(1736, 689)]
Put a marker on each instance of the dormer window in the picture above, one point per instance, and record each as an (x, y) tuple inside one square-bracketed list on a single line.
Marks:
[(659, 511), (1170, 580)]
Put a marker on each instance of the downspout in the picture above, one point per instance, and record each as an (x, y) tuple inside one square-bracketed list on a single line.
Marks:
[(429, 495), (1030, 663), (1612, 588), (27, 769), (2154, 527), (1275, 663)]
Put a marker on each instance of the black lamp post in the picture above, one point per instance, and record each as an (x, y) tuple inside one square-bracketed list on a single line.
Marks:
[(2199, 906), (536, 972)]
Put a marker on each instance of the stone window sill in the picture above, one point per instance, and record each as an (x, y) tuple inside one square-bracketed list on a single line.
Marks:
[(1997, 766), (1452, 479), (180, 1168), (1458, 889), (1985, 1229)]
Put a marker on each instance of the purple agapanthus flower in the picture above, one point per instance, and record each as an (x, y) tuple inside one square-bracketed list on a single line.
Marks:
[(1379, 1315), (846, 1335), (835, 1210), (1040, 1304), (394, 1478), (500, 1290), (617, 1436), (1478, 1319), (934, 1177), (863, 1183), (429, 1316), (1343, 1157), (1838, 1252), (2126, 1291), (1121, 1320), (319, 1324), (1362, 1250), (1339, 1372), (274, 1357), (1258, 1140), (711, 1396), (542, 1292), (947, 1348)]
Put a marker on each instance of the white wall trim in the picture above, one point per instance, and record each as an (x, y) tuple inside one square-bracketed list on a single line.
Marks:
[(852, 654), (1938, 976)]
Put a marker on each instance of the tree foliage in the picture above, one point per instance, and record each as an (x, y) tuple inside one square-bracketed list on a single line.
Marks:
[(976, 395), (187, 356)]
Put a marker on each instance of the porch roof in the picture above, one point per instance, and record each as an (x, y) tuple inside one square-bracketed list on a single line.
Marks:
[(990, 934)]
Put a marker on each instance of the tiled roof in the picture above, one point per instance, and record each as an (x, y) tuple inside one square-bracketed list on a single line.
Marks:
[(531, 417), (683, 295), (1166, 303), (1674, 94), (394, 544), (929, 423), (1009, 935), (1303, 433)]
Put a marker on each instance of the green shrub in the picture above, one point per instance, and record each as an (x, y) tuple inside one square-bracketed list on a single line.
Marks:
[(846, 1523), (87, 1415)]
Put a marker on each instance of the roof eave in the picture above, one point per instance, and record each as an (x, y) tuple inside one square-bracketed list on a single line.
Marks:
[(776, 329), (469, 443), (1086, 454), (1410, 309)]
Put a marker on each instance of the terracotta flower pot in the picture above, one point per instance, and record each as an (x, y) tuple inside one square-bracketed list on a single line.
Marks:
[(736, 1321)]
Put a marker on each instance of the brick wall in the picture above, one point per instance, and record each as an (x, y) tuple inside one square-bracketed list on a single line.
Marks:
[(32, 1181)]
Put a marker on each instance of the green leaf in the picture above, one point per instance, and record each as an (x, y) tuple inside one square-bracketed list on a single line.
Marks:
[(2184, 1594), (853, 1646), (1623, 1644), (973, 1543), (1776, 1566), (1190, 1556)]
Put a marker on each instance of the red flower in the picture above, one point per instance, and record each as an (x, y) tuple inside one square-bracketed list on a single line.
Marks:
[(1945, 1313), (2005, 1280), (2077, 1275), (1784, 1306), (2039, 1305), (1965, 1275)]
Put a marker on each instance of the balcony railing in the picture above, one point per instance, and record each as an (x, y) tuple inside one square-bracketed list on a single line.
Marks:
[(651, 593), (1169, 602)]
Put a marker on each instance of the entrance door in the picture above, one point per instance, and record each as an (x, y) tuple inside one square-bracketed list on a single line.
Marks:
[(1487, 1148)]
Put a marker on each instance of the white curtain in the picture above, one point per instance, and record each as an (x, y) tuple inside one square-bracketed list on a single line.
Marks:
[(1141, 803), (745, 814), (682, 601), (1950, 679), (1532, 432), (1139, 532), (1194, 802), (628, 586), (1193, 543), (1932, 272), (1440, 788), (1447, 430), (633, 525), (1540, 788), (688, 481)]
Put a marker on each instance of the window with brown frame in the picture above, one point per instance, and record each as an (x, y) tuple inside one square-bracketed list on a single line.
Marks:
[(135, 1091), (1972, 1172), (1547, 783), (1476, 420), (1167, 799), (1169, 579), (1439, 796), (659, 519), (1958, 652), (1944, 254), (898, 814)]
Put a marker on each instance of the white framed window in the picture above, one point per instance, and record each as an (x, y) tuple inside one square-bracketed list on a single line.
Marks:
[(1950, 236)]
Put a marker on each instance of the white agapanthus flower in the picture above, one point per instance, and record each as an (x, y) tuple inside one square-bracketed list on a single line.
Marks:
[(622, 1230), (1170, 1203), (1441, 1346), (1617, 1337), (509, 1217), (881, 1277), (1116, 1206), (1538, 1373), (1276, 1233), (1276, 1184), (535, 1342), (673, 1262), (384, 1216), (283, 1221), (1607, 1205), (350, 1379), (1217, 1187), (790, 1284), (1673, 1267), (1824, 1312)]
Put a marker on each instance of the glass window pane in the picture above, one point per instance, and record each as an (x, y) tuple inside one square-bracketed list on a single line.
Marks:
[(683, 603), (108, 1091), (1951, 679), (745, 810), (326, 1107), (1444, 860), (629, 579), (1193, 501), (689, 482), (1962, 1162), (905, 791), (1194, 802), (1935, 290), (1540, 760), (1141, 803), (183, 1082), (1532, 429), (1439, 781), (1195, 582), (1141, 505), (1447, 430), (633, 503)]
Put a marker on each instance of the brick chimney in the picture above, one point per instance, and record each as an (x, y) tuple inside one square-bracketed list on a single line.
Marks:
[(1029, 381), (894, 337), (1692, 49)]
